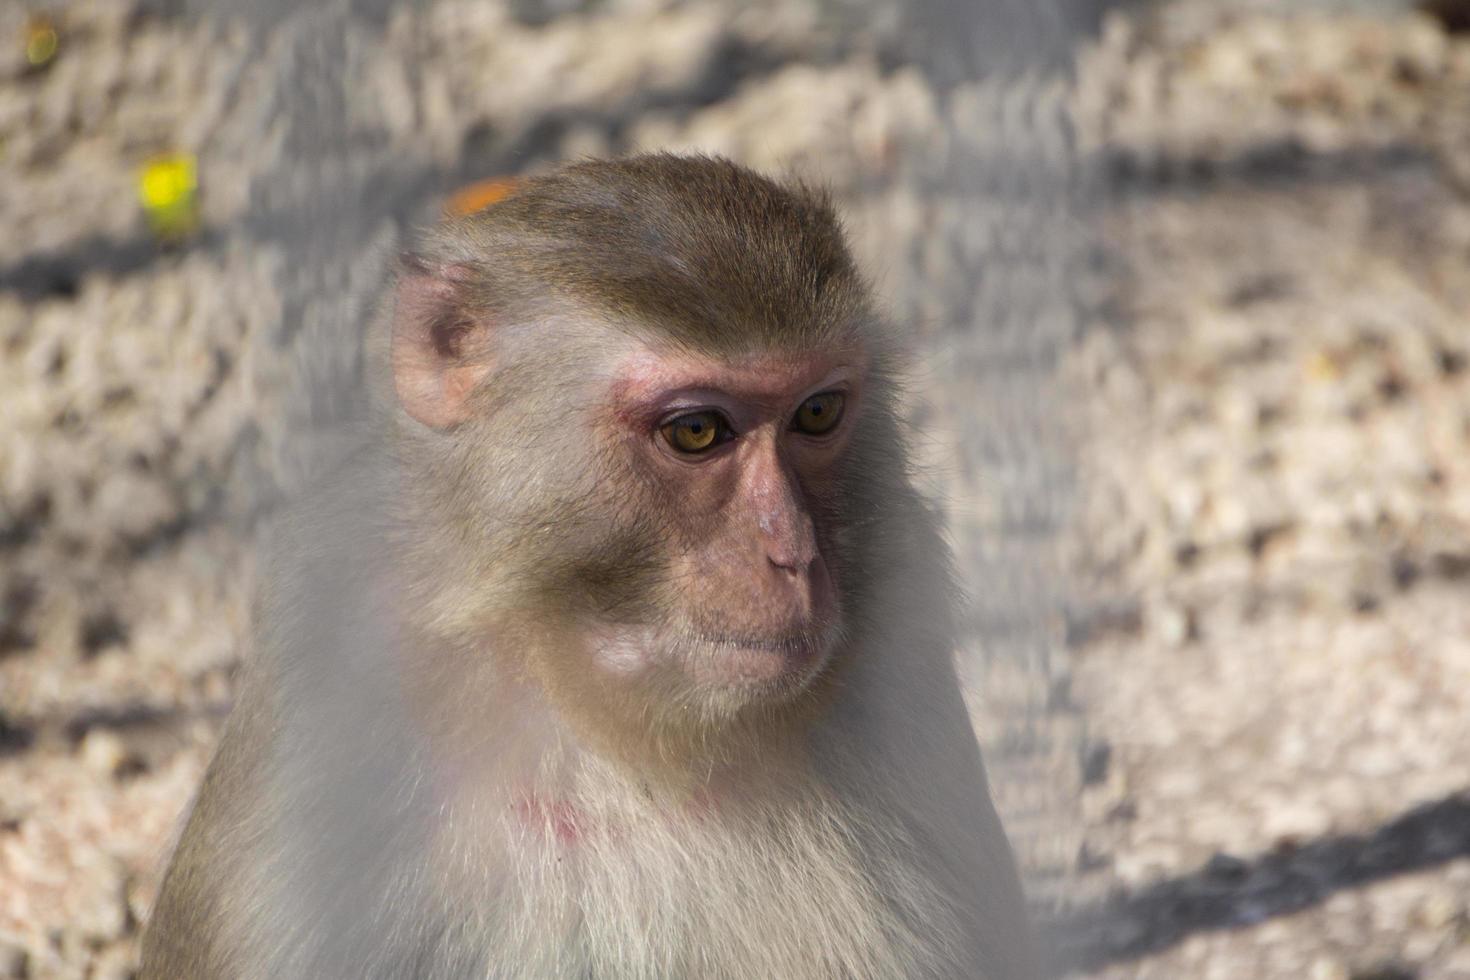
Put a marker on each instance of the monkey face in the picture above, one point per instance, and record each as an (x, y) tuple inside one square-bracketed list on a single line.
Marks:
[(670, 545), (737, 463), (653, 440)]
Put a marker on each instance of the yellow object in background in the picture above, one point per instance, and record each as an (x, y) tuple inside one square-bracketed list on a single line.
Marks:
[(480, 195), (168, 189), (41, 41), (1322, 367)]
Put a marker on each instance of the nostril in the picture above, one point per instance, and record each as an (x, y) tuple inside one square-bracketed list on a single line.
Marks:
[(792, 565)]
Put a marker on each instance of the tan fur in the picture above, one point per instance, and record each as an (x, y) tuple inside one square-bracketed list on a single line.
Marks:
[(430, 775)]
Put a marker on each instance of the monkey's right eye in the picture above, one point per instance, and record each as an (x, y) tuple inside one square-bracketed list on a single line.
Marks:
[(696, 432)]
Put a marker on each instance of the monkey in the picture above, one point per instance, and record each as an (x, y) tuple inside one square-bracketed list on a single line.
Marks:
[(622, 647)]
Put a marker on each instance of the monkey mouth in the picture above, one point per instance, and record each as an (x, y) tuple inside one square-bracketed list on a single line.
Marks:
[(756, 659), (797, 644), (760, 664)]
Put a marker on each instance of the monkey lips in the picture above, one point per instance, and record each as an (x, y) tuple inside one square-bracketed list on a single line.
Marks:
[(786, 661), (772, 665)]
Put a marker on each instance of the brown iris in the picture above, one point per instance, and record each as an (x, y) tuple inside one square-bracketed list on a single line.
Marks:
[(819, 414), (696, 432)]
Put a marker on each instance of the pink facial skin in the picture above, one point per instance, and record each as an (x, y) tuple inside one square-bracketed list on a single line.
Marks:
[(760, 602)]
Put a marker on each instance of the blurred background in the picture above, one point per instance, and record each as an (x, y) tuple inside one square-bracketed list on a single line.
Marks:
[(1192, 283)]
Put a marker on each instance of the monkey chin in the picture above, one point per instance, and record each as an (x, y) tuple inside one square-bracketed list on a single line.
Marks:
[(760, 667)]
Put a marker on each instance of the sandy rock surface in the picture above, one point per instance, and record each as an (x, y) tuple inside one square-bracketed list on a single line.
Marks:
[(1276, 694), (1239, 756)]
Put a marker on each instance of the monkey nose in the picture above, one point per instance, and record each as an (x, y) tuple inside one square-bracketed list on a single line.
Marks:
[(789, 542), (788, 588), (802, 580), (790, 562), (790, 567), (793, 551)]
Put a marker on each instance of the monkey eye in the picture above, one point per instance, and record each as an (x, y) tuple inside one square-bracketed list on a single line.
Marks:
[(819, 414), (696, 432)]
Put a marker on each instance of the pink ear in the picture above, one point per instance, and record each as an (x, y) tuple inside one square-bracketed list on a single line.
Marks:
[(439, 351)]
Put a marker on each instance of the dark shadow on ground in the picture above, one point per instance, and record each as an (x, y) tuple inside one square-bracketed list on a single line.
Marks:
[(1230, 893), (59, 274)]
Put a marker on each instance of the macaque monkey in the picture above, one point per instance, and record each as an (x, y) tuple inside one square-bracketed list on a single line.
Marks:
[(623, 647)]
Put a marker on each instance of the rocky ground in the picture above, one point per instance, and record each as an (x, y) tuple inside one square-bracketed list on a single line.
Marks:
[(1277, 690), (1249, 725)]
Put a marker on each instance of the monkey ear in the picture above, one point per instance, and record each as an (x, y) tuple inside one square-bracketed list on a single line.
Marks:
[(438, 352)]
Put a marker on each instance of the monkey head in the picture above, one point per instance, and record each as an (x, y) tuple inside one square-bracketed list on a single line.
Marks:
[(645, 427)]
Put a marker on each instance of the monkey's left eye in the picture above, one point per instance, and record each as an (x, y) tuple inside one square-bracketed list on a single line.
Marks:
[(819, 414), (696, 432)]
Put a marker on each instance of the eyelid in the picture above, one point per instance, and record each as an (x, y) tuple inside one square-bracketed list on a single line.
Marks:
[(840, 388), (843, 397), (839, 391), (676, 414)]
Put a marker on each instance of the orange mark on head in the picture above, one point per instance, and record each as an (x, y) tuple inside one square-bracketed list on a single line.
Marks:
[(479, 195)]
